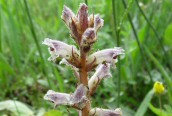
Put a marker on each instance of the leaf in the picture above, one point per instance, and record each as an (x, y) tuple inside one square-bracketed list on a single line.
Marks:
[(159, 112), (53, 113), (168, 35), (145, 103), (16, 107)]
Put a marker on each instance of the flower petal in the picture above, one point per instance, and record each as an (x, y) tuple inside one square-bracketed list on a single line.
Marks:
[(79, 96), (102, 71), (107, 55), (60, 49), (83, 16), (105, 112)]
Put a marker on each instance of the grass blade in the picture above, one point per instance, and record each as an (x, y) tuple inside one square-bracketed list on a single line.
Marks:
[(145, 103)]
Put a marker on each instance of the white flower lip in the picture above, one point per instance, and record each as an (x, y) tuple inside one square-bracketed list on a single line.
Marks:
[(59, 49)]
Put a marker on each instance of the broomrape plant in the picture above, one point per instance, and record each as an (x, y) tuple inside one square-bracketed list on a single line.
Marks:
[(83, 29)]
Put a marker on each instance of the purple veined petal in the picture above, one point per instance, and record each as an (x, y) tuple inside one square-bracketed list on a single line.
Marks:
[(67, 15), (89, 37), (59, 49), (83, 16), (57, 98), (79, 98), (107, 55), (79, 94), (98, 22), (105, 112), (102, 71)]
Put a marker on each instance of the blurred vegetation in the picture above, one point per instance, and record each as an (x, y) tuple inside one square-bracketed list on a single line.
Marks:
[(145, 32)]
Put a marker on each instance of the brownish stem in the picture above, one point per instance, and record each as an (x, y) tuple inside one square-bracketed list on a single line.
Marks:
[(84, 80)]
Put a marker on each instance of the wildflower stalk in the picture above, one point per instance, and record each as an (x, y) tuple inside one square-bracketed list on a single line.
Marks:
[(117, 31), (83, 30)]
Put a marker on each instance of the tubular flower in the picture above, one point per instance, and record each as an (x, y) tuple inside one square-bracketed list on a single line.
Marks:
[(105, 112), (102, 71), (60, 49), (158, 87), (107, 55), (77, 99)]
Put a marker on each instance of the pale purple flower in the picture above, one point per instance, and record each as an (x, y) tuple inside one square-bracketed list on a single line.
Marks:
[(77, 99), (60, 49), (57, 98), (102, 71), (107, 55), (105, 112)]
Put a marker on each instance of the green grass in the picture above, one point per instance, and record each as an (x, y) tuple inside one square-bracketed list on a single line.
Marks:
[(144, 33)]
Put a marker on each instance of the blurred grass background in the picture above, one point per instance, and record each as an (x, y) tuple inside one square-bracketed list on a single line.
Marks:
[(142, 27)]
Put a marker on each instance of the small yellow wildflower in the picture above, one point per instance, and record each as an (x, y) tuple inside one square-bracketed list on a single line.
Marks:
[(158, 87)]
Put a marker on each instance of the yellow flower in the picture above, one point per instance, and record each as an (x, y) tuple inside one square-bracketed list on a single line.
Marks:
[(158, 87)]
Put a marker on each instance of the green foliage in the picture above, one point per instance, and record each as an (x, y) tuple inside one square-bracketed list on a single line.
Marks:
[(53, 113), (160, 112)]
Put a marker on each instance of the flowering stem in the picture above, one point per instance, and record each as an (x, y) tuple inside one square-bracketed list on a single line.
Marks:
[(84, 80), (160, 104)]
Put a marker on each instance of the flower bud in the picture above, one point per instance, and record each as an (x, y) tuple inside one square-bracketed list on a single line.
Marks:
[(105, 112), (102, 71), (107, 55), (60, 49), (88, 38), (158, 87), (67, 15), (83, 17)]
